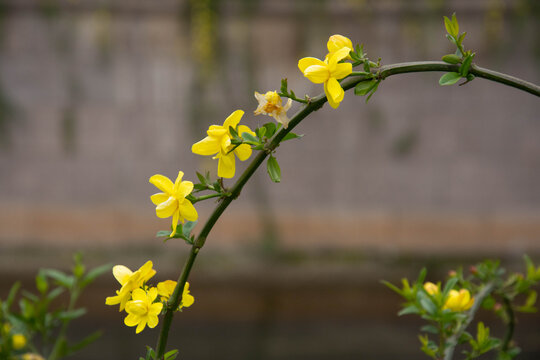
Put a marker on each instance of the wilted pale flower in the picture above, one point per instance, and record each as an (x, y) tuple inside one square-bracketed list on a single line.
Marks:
[(218, 143), (166, 288), (129, 281), (172, 201), (328, 72), (459, 300), (142, 310), (270, 104)]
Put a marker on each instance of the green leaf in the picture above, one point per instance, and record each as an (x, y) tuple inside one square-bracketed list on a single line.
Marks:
[(273, 169), (70, 315), (364, 87), (421, 277), (260, 132), (188, 228), (460, 38), (201, 178), (291, 136), (163, 233), (95, 273), (449, 27), (373, 90), (11, 296), (464, 68), (41, 283), (411, 309), (171, 355), (270, 129), (61, 278), (455, 24), (449, 78), (451, 59), (284, 86), (429, 329), (250, 139), (392, 287), (449, 286), (427, 304), (84, 342), (55, 293)]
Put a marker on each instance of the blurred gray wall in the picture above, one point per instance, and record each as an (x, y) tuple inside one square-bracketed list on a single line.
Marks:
[(97, 96)]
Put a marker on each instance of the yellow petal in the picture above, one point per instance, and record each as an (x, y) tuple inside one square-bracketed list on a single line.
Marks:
[(226, 166), (159, 198), (155, 309), (138, 294), (131, 320), (216, 131), (207, 146), (225, 143), (153, 319), (152, 294), (167, 208), (166, 288), (233, 119), (243, 152), (141, 326), (188, 211), (342, 70), (187, 300), (175, 218), (185, 188), (121, 273), (243, 128), (306, 62), (334, 92), (317, 73), (336, 42), (112, 300), (338, 56), (162, 183), (177, 182)]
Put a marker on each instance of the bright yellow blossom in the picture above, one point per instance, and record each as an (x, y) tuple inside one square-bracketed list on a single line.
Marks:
[(129, 281), (328, 72), (270, 104), (142, 310), (218, 143), (166, 288), (459, 300), (32, 356), (431, 288), (338, 42), (19, 341), (172, 201)]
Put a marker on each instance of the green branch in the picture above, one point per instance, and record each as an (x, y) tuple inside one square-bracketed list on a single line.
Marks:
[(312, 105)]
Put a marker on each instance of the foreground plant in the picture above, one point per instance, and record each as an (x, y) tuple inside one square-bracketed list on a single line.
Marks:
[(230, 140), (451, 309), (38, 330)]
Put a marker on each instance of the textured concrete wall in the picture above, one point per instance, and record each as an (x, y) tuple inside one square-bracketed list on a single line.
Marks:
[(104, 96)]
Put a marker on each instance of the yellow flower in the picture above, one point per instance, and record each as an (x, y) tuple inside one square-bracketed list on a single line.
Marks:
[(338, 42), (459, 300), (172, 201), (166, 288), (129, 281), (32, 356), (431, 288), (328, 72), (19, 341), (270, 104), (142, 310), (218, 143)]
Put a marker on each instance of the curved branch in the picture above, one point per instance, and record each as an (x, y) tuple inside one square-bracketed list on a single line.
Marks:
[(313, 105)]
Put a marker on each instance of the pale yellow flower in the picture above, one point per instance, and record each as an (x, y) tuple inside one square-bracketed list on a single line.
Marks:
[(19, 341), (218, 143), (459, 300), (142, 310), (338, 42), (129, 281), (166, 288), (172, 201), (431, 288), (32, 356), (328, 72), (270, 104)]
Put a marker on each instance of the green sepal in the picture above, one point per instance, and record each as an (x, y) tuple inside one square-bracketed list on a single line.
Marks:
[(449, 78), (273, 169), (250, 139), (171, 355), (291, 136)]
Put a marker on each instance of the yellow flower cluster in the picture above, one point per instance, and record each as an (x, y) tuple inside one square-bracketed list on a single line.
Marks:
[(331, 69), (456, 301), (140, 300)]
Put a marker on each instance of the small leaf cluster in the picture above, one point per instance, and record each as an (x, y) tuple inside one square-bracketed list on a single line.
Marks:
[(43, 317), (284, 92), (492, 290), (462, 57), (151, 354), (183, 231), (368, 87)]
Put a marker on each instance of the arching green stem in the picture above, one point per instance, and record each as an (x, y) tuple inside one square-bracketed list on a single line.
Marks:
[(312, 105)]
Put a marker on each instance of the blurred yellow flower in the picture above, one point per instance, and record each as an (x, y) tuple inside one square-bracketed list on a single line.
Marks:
[(218, 143), (166, 288), (338, 42), (32, 356), (270, 104), (431, 288), (129, 281), (328, 72), (142, 310), (172, 201), (459, 300), (19, 341)]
